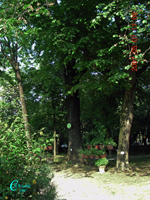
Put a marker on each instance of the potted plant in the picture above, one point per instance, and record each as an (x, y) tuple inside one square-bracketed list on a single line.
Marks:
[(49, 147), (95, 143), (96, 154), (50, 143), (92, 152), (110, 143), (89, 146), (102, 153), (87, 153), (101, 163), (101, 146), (82, 153)]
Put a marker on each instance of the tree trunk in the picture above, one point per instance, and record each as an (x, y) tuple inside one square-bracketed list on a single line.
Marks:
[(126, 119), (54, 123), (57, 145), (55, 142), (23, 106), (74, 135), (73, 115)]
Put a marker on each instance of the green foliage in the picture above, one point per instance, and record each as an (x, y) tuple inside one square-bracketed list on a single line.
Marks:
[(110, 141), (97, 140), (86, 152), (85, 33), (102, 162), (15, 165), (81, 151), (102, 152), (93, 151)]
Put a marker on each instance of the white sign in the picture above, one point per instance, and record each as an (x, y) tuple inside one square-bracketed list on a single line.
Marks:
[(122, 152)]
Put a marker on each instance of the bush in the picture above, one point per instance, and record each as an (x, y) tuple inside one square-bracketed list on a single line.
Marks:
[(15, 165)]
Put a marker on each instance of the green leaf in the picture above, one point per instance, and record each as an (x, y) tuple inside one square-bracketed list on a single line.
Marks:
[(25, 6), (69, 92), (38, 15), (144, 21)]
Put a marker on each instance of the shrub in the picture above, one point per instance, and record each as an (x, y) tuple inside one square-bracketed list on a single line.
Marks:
[(15, 165)]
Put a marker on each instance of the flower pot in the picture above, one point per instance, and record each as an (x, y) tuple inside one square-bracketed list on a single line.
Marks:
[(89, 146), (96, 157), (101, 146), (49, 148), (97, 146), (103, 155), (82, 155), (110, 146), (102, 169), (86, 156), (91, 156)]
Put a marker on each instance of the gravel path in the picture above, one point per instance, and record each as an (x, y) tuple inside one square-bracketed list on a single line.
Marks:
[(97, 186), (107, 186), (78, 189)]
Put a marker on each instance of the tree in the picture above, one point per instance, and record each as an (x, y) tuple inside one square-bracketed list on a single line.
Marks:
[(14, 31), (71, 51), (10, 42), (129, 88)]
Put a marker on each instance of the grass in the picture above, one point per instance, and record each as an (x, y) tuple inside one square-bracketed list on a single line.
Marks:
[(140, 166)]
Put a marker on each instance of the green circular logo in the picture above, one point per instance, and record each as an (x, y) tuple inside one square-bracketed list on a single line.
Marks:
[(69, 125)]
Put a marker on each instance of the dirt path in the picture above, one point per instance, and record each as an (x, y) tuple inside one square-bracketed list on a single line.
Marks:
[(107, 186)]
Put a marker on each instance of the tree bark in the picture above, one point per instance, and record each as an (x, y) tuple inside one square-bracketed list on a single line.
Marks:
[(15, 65), (126, 119), (23, 106), (57, 145), (126, 116), (73, 115), (74, 135), (54, 123), (55, 142)]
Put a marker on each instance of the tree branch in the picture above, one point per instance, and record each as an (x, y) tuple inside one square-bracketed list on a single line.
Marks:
[(8, 58)]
